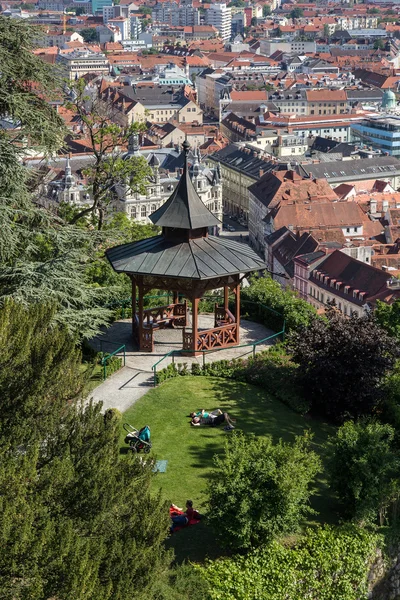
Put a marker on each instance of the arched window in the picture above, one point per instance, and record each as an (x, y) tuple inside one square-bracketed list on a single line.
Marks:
[(153, 208), (133, 212), (143, 211)]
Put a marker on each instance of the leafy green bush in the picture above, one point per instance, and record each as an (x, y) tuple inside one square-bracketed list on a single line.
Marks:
[(364, 470), (285, 303), (273, 370), (113, 364), (260, 489), (328, 563)]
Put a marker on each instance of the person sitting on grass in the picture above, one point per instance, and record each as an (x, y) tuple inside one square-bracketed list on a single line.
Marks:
[(183, 519), (206, 413), (214, 420)]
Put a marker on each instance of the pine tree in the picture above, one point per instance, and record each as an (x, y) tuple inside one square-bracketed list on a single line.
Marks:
[(77, 521)]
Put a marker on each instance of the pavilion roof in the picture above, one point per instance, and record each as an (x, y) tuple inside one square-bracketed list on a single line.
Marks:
[(198, 259), (184, 209)]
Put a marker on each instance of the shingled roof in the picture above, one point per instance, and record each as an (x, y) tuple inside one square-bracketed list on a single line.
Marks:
[(197, 257)]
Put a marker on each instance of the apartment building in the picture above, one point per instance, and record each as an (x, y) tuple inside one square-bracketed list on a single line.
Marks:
[(219, 15), (80, 62)]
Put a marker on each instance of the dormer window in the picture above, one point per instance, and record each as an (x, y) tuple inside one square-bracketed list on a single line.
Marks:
[(338, 286)]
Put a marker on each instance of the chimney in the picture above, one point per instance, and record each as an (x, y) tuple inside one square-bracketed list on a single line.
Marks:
[(261, 172)]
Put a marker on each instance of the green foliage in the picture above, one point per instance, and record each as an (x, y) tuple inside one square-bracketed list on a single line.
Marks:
[(113, 364), (379, 44), (109, 170), (328, 563), (275, 371), (364, 470), (388, 317), (266, 10), (343, 363), (89, 35), (264, 290), (261, 490), (26, 85), (77, 522), (272, 370), (296, 13)]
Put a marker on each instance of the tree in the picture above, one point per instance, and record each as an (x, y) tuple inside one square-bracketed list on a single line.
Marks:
[(264, 290), (364, 470), (266, 10), (237, 3), (296, 13), (260, 489), (343, 362), (79, 11), (379, 44), (111, 170), (42, 255), (89, 35), (327, 34), (77, 520), (388, 317)]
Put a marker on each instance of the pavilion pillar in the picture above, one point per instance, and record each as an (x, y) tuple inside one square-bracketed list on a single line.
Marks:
[(175, 297), (237, 311), (195, 320), (133, 280), (226, 297), (141, 293)]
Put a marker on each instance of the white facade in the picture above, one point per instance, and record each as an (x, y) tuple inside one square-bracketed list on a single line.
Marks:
[(123, 25), (220, 16)]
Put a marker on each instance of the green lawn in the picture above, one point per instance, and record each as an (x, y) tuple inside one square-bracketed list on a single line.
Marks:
[(190, 450)]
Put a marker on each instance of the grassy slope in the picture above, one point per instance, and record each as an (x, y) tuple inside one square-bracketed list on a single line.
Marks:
[(190, 450)]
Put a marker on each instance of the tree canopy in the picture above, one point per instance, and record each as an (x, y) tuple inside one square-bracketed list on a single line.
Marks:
[(260, 489), (77, 522), (343, 363), (45, 255), (364, 470), (296, 13)]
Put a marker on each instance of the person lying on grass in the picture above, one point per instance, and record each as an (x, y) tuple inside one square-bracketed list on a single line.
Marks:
[(205, 413), (214, 420)]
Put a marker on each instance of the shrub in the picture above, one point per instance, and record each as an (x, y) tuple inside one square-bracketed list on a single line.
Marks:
[(364, 470), (260, 490), (273, 370), (328, 563)]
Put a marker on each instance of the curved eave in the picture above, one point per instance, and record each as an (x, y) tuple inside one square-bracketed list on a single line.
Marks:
[(200, 259)]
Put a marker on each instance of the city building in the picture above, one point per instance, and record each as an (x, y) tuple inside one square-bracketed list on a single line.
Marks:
[(182, 13), (353, 285), (80, 62), (382, 133), (219, 15), (98, 5), (240, 167)]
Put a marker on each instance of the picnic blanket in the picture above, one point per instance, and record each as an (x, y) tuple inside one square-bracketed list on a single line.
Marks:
[(160, 466), (175, 511)]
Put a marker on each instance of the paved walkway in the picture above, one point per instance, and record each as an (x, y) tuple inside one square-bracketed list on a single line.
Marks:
[(130, 383)]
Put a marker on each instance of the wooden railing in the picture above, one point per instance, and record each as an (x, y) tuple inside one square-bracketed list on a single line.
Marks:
[(155, 318), (222, 316), (219, 337), (172, 314)]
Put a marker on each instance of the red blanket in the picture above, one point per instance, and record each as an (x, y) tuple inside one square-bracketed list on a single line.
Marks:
[(175, 511)]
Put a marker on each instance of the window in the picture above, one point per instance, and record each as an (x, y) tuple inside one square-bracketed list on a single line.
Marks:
[(347, 229), (143, 211), (153, 208), (133, 212), (355, 229)]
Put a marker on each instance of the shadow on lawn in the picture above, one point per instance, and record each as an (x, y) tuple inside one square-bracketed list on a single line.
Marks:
[(257, 413)]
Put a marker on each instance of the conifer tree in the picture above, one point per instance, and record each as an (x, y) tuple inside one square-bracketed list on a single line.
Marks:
[(77, 521)]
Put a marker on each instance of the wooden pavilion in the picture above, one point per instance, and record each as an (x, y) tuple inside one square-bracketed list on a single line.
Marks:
[(188, 262)]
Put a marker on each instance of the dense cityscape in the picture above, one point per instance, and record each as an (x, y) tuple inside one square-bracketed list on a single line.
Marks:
[(199, 300)]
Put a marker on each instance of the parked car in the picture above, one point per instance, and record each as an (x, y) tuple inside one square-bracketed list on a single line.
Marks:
[(230, 228)]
